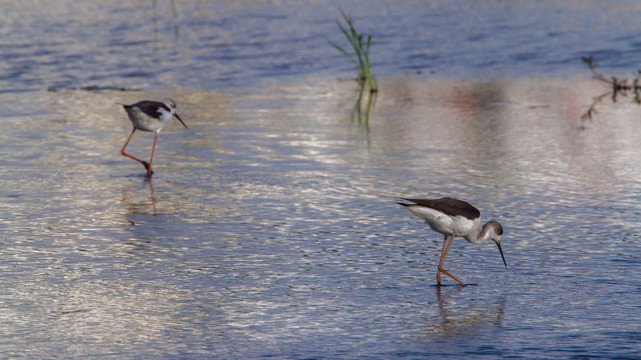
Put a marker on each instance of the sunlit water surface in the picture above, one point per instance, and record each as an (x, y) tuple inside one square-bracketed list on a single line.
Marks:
[(270, 227)]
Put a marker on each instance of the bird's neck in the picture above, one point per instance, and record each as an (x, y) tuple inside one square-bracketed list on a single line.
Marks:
[(479, 233), (166, 115)]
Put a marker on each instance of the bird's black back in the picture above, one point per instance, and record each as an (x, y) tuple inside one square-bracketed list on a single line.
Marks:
[(148, 107), (448, 206)]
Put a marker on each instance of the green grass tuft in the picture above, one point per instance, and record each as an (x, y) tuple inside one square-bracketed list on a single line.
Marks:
[(360, 56)]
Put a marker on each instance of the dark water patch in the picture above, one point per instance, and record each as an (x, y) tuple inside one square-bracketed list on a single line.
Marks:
[(250, 43)]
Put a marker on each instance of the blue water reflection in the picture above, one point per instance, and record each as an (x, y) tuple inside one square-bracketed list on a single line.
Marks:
[(224, 44), (270, 227)]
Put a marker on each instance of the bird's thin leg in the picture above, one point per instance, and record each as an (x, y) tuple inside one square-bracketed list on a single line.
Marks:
[(440, 263), (446, 249), (122, 151), (153, 149)]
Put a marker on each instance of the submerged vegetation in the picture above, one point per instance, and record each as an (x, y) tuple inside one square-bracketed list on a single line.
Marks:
[(360, 56), (619, 87)]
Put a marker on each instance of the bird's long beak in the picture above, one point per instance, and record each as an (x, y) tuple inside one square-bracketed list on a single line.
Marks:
[(498, 243), (181, 120)]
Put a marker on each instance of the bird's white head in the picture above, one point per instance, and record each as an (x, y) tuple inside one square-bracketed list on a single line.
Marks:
[(172, 106), (495, 231)]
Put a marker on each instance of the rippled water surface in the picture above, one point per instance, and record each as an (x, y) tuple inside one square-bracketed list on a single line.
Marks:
[(222, 44), (270, 227)]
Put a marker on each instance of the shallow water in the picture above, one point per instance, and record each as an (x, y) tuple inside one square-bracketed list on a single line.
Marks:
[(223, 44), (270, 227)]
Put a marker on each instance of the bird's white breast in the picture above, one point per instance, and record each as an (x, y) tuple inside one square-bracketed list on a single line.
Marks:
[(145, 122)]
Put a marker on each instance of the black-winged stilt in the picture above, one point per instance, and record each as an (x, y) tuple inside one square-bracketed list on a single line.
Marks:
[(452, 218), (152, 116)]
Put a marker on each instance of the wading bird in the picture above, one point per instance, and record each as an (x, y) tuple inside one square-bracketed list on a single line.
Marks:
[(452, 218), (152, 116)]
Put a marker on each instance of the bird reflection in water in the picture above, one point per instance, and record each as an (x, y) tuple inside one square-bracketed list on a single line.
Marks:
[(463, 316), (139, 202)]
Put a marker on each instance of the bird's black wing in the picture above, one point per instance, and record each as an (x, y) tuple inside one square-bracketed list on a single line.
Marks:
[(449, 206), (149, 107)]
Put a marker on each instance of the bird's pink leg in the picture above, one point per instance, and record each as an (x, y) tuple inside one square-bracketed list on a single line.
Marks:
[(440, 263), (446, 249), (153, 149), (122, 151)]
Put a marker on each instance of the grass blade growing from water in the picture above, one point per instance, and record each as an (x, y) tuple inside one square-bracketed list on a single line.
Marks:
[(360, 55)]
